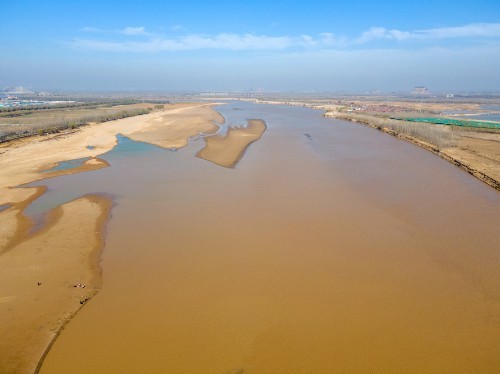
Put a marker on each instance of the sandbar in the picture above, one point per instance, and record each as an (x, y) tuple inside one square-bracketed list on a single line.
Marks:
[(170, 131), (227, 150), (39, 276), (22, 160)]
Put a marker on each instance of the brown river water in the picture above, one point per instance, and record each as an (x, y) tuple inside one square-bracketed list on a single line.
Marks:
[(343, 250)]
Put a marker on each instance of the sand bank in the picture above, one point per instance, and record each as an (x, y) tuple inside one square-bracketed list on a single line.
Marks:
[(227, 150), (38, 277), (65, 249), (26, 160), (169, 131), (14, 225), (94, 163), (21, 161)]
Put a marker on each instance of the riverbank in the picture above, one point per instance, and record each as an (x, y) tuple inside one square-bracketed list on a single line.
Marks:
[(261, 267), (472, 150), (22, 160), (47, 278), (50, 266), (480, 159), (475, 152)]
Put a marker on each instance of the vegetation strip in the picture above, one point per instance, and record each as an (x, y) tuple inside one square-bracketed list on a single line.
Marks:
[(450, 122), (23, 122)]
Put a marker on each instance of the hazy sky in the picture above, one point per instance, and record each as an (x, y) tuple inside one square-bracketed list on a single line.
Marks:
[(238, 45)]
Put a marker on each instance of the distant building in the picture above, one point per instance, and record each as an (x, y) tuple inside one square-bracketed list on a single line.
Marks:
[(214, 94), (20, 90), (450, 96), (421, 91)]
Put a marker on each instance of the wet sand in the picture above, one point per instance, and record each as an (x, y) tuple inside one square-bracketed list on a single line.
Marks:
[(38, 276), (14, 225), (27, 160), (343, 251), (94, 163), (227, 150)]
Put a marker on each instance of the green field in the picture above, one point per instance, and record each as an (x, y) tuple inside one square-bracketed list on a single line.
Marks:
[(452, 122)]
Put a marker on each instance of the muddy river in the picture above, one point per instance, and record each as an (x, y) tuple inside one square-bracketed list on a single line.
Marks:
[(329, 247)]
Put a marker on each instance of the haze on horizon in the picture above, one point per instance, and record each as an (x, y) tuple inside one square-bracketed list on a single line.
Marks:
[(232, 46)]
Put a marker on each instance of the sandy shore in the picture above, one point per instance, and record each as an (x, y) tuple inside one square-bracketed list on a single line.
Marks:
[(21, 161), (169, 131), (25, 160), (39, 276), (39, 271), (227, 150)]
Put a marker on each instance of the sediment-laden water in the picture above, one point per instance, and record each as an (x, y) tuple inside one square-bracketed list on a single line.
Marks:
[(330, 247)]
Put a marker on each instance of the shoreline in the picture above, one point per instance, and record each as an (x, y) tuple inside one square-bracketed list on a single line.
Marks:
[(21, 160), (228, 150), (27, 160), (101, 223), (23, 223), (65, 252), (492, 182)]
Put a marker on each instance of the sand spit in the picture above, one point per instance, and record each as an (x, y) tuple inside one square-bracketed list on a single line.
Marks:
[(94, 163), (227, 150), (14, 225), (174, 132), (47, 278)]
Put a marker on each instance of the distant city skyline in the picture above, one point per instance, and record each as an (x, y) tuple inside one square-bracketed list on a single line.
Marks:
[(230, 46)]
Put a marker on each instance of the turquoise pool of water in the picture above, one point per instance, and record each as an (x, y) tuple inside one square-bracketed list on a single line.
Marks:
[(68, 165)]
